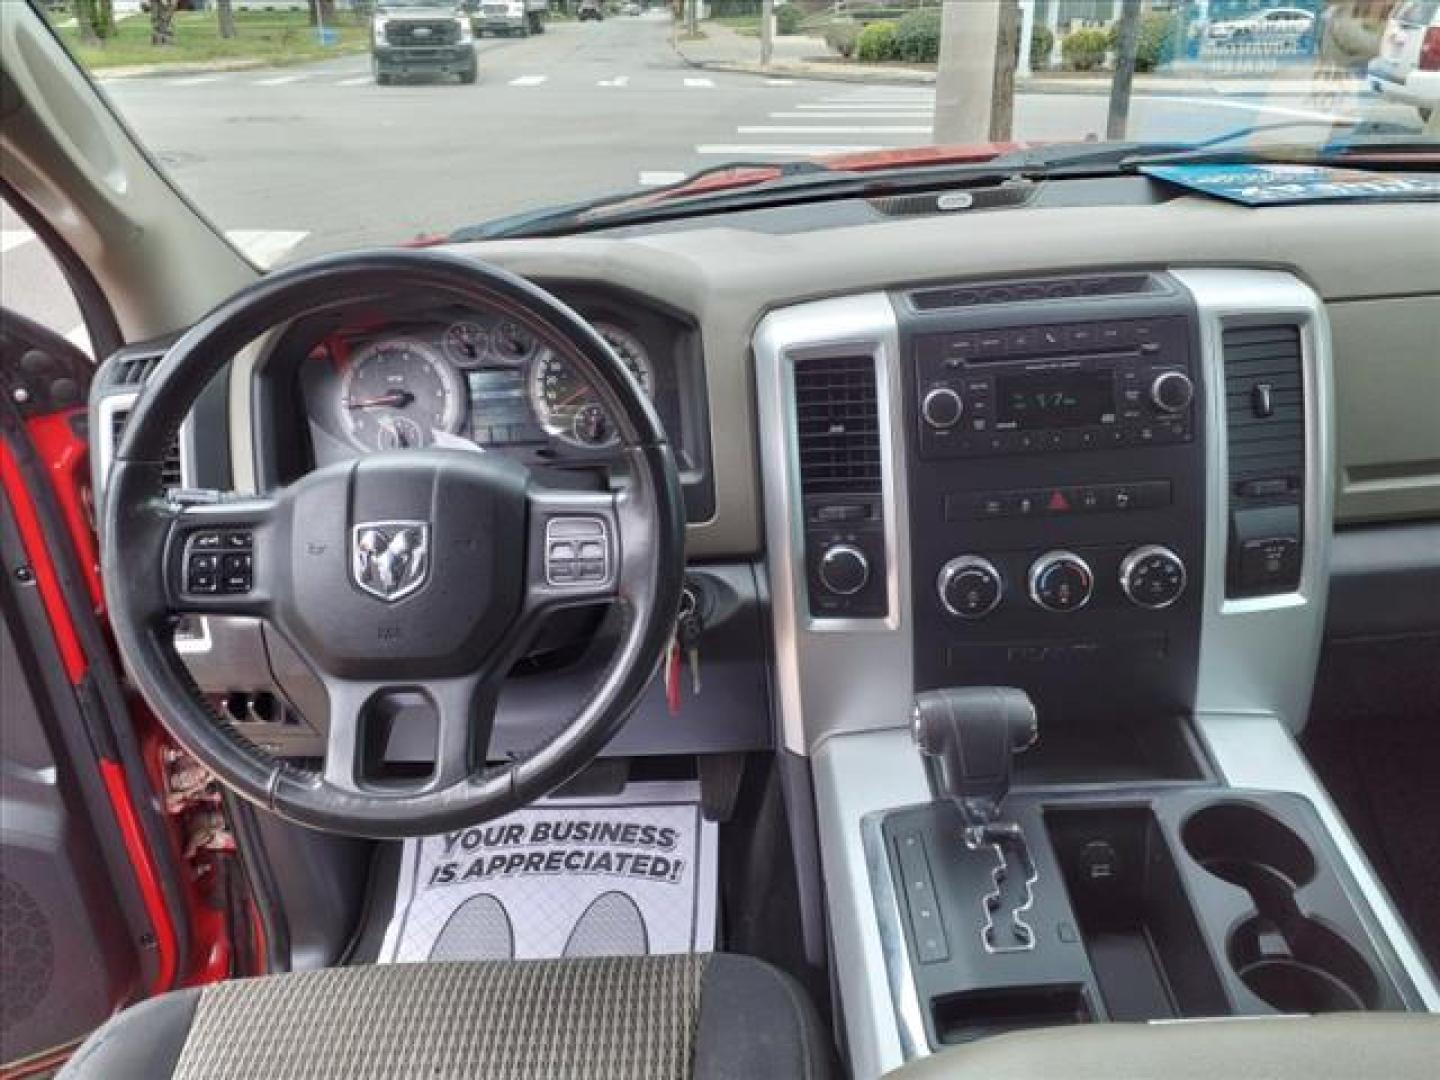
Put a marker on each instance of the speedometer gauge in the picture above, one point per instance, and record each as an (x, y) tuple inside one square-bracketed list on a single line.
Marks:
[(398, 393), (568, 407)]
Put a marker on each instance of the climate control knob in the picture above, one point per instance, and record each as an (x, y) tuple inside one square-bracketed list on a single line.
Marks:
[(843, 569), (970, 586), (1172, 391), (1061, 581), (942, 408), (1152, 576)]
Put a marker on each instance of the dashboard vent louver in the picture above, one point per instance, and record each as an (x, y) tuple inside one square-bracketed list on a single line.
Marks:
[(838, 426), (1264, 404), (170, 473), (1026, 292), (133, 370)]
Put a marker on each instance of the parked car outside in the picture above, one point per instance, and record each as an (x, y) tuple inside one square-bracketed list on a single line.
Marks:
[(1285, 25), (1408, 67)]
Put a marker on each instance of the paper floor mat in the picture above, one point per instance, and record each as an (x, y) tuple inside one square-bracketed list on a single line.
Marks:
[(628, 875)]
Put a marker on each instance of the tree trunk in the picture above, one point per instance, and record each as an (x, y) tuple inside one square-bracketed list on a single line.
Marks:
[(1007, 58), (162, 22), (81, 10), (225, 13), (322, 11), (1126, 45), (95, 19)]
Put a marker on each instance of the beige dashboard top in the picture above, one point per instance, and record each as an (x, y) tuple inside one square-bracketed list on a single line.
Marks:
[(1377, 266)]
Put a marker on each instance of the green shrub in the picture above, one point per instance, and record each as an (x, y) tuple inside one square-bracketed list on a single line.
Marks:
[(787, 18), (1084, 50), (877, 42), (917, 36), (1159, 40), (1041, 42), (842, 37)]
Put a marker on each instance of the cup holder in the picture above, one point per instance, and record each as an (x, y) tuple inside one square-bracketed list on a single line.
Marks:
[(1287, 959)]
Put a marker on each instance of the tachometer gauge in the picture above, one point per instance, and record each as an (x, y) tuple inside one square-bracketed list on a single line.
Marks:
[(465, 344), (397, 392), (512, 342), (568, 407)]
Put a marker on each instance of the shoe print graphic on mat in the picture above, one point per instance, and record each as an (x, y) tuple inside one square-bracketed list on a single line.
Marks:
[(611, 926), (479, 929)]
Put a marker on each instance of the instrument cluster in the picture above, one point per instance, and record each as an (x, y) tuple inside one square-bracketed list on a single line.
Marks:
[(469, 378)]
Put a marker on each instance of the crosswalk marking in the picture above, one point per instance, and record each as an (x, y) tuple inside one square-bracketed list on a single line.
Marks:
[(10, 239), (660, 177), (619, 81), (700, 84), (777, 150), (848, 115), (359, 81), (863, 106), (779, 82), (529, 80), (833, 129), (280, 80), (265, 247)]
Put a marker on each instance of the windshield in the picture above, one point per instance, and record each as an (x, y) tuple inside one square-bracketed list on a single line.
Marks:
[(311, 126)]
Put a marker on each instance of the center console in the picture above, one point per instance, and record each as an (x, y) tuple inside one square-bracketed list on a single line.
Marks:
[(1109, 492)]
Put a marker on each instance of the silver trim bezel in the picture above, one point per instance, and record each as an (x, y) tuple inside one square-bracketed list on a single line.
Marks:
[(1043, 563), (1133, 559), (959, 564)]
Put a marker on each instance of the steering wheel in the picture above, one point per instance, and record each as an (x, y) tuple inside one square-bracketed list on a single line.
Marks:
[(402, 578)]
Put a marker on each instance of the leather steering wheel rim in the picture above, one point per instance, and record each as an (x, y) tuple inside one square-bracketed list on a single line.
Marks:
[(147, 539)]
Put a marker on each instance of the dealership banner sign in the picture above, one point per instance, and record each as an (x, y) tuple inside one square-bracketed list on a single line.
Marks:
[(566, 877)]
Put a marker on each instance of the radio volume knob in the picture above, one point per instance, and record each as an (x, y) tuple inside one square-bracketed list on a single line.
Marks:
[(970, 586), (843, 569), (1061, 581), (1172, 391), (942, 408), (1152, 576)]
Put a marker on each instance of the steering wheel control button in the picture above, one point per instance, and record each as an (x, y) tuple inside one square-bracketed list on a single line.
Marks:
[(206, 541), (220, 562), (970, 587), (577, 551), (1061, 581), (1152, 576)]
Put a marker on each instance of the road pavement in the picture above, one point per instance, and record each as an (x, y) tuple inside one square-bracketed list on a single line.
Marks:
[(302, 160)]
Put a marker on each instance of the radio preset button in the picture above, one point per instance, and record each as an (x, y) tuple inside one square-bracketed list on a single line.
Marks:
[(1061, 581), (942, 407)]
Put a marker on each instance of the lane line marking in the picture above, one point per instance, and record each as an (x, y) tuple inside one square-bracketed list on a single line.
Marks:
[(529, 80), (265, 247), (660, 177), (778, 150), (700, 84), (619, 81), (281, 80), (834, 129), (865, 106), (779, 82), (10, 239), (360, 81), (197, 80)]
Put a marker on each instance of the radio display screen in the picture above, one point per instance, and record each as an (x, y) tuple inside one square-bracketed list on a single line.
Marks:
[(1076, 399)]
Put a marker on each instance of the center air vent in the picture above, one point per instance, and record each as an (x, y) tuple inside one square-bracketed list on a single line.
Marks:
[(838, 426), (1265, 433), (837, 430), (1029, 292)]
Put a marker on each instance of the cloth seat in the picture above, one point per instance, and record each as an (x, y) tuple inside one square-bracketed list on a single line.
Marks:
[(686, 1017)]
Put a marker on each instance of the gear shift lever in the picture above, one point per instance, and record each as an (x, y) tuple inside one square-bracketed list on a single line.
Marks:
[(972, 733)]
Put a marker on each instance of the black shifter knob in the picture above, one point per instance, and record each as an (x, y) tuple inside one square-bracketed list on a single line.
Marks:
[(972, 733)]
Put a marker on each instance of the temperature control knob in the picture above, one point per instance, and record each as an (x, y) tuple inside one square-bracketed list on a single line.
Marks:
[(942, 408), (843, 569), (970, 586), (1172, 391), (1152, 576), (1061, 581)]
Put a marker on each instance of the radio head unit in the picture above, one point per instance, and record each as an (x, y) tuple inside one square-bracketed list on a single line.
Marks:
[(1075, 386)]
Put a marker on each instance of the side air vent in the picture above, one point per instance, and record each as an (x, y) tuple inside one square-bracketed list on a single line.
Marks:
[(1265, 432), (171, 474), (1029, 292), (133, 370), (838, 426), (837, 432)]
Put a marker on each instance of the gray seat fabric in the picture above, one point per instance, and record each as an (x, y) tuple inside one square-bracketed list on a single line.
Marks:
[(719, 1017), (1340, 1046)]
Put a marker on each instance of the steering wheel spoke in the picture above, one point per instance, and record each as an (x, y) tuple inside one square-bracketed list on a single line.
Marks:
[(222, 558)]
